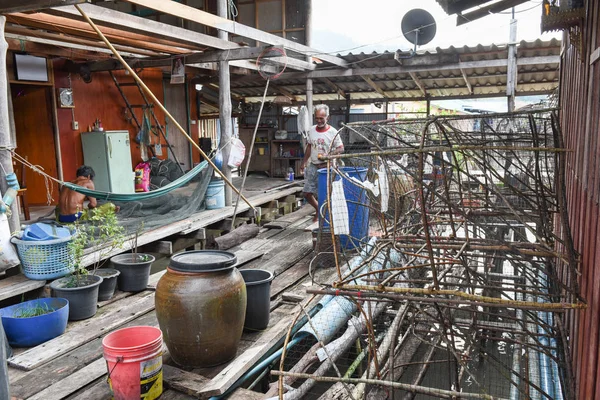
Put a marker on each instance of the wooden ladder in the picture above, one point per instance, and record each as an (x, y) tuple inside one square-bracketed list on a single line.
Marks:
[(146, 106)]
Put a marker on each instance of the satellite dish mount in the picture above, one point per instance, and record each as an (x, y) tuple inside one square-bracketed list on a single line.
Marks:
[(418, 27)]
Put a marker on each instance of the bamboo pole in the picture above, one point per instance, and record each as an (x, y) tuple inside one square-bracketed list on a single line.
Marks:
[(449, 394), (366, 291), (159, 104), (435, 149)]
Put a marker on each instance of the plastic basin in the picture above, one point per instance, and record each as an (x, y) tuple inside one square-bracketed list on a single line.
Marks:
[(29, 332)]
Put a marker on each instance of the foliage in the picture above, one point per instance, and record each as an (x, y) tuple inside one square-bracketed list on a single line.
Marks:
[(101, 228), (32, 310), (135, 257)]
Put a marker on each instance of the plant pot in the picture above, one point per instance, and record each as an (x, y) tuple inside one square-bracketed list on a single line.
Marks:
[(83, 299), (31, 331), (109, 283), (135, 271), (258, 291)]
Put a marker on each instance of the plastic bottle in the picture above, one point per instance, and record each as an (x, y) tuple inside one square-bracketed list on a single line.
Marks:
[(290, 176)]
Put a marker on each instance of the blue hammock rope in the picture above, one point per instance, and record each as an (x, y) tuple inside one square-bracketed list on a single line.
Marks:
[(179, 182)]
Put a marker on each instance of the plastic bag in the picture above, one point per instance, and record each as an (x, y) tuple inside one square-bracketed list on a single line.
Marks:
[(8, 255), (237, 154), (142, 177)]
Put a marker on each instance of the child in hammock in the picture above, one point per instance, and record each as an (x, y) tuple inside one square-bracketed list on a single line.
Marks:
[(70, 204)]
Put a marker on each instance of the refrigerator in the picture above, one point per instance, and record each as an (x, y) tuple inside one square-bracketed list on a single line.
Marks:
[(109, 154)]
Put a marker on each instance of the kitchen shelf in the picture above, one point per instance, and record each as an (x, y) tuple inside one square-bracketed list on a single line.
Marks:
[(285, 140)]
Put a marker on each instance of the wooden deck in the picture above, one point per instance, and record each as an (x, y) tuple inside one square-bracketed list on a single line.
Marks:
[(72, 367)]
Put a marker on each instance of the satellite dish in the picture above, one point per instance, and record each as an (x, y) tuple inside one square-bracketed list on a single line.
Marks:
[(418, 27)]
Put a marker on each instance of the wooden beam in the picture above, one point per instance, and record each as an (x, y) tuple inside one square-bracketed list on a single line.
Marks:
[(70, 45), (334, 87), (56, 38), (418, 82), (8, 6), (46, 50), (595, 56), (206, 60), (494, 8), (223, 24), (283, 91), (69, 26), (373, 85), (466, 79), (120, 20)]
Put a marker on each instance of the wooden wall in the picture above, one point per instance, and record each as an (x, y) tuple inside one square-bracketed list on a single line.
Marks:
[(580, 123), (101, 99)]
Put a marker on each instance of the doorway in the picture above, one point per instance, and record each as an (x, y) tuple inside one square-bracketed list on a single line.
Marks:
[(32, 105)]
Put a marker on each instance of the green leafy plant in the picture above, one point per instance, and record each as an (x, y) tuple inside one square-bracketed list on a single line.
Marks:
[(32, 310), (135, 257), (101, 228)]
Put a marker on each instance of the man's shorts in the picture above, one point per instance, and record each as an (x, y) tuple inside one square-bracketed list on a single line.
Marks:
[(311, 179)]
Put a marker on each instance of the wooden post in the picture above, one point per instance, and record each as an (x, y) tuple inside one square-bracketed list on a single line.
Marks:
[(511, 70), (225, 105), (6, 144), (348, 105), (308, 38)]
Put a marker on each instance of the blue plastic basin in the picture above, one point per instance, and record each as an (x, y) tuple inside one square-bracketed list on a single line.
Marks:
[(42, 232), (29, 332)]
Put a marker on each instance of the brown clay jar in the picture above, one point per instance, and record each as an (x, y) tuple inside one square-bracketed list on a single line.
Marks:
[(200, 305)]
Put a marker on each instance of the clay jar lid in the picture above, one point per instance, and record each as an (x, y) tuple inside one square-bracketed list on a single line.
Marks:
[(202, 261)]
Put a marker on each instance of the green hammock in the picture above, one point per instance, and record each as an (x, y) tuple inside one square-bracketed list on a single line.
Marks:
[(179, 182)]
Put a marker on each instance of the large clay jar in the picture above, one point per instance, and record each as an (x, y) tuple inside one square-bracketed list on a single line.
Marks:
[(200, 306)]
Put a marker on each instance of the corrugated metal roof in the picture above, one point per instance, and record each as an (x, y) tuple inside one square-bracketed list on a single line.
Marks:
[(438, 71)]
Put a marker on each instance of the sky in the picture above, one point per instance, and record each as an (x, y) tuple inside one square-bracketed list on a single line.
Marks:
[(343, 26)]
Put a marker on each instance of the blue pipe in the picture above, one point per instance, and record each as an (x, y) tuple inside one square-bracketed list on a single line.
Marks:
[(262, 365)]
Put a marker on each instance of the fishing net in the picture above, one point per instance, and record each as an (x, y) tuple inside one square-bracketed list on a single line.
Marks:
[(459, 285), (271, 63)]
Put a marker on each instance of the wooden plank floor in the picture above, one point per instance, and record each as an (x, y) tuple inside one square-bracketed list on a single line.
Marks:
[(71, 366)]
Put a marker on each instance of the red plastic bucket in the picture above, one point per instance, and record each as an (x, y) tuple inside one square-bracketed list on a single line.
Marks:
[(134, 361)]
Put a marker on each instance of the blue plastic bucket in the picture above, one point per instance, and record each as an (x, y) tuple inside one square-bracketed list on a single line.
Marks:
[(31, 331), (215, 194), (358, 207)]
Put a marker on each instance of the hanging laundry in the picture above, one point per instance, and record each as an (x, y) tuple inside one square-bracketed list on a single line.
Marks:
[(383, 187), (339, 209)]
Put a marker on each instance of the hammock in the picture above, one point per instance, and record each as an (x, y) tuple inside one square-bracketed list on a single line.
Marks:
[(179, 182)]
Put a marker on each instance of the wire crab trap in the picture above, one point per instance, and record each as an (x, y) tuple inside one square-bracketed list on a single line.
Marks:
[(458, 288)]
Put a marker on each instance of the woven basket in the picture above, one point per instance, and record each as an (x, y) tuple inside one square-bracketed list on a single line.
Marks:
[(45, 259)]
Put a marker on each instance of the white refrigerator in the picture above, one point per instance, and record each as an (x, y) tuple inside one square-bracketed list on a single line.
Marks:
[(109, 154)]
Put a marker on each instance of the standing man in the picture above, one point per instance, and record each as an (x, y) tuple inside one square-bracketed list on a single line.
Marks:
[(323, 140)]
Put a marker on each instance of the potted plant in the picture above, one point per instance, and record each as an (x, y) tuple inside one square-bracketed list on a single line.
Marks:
[(34, 322), (134, 266), (81, 288)]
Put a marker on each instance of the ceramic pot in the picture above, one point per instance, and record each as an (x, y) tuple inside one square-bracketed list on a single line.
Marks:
[(200, 307)]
